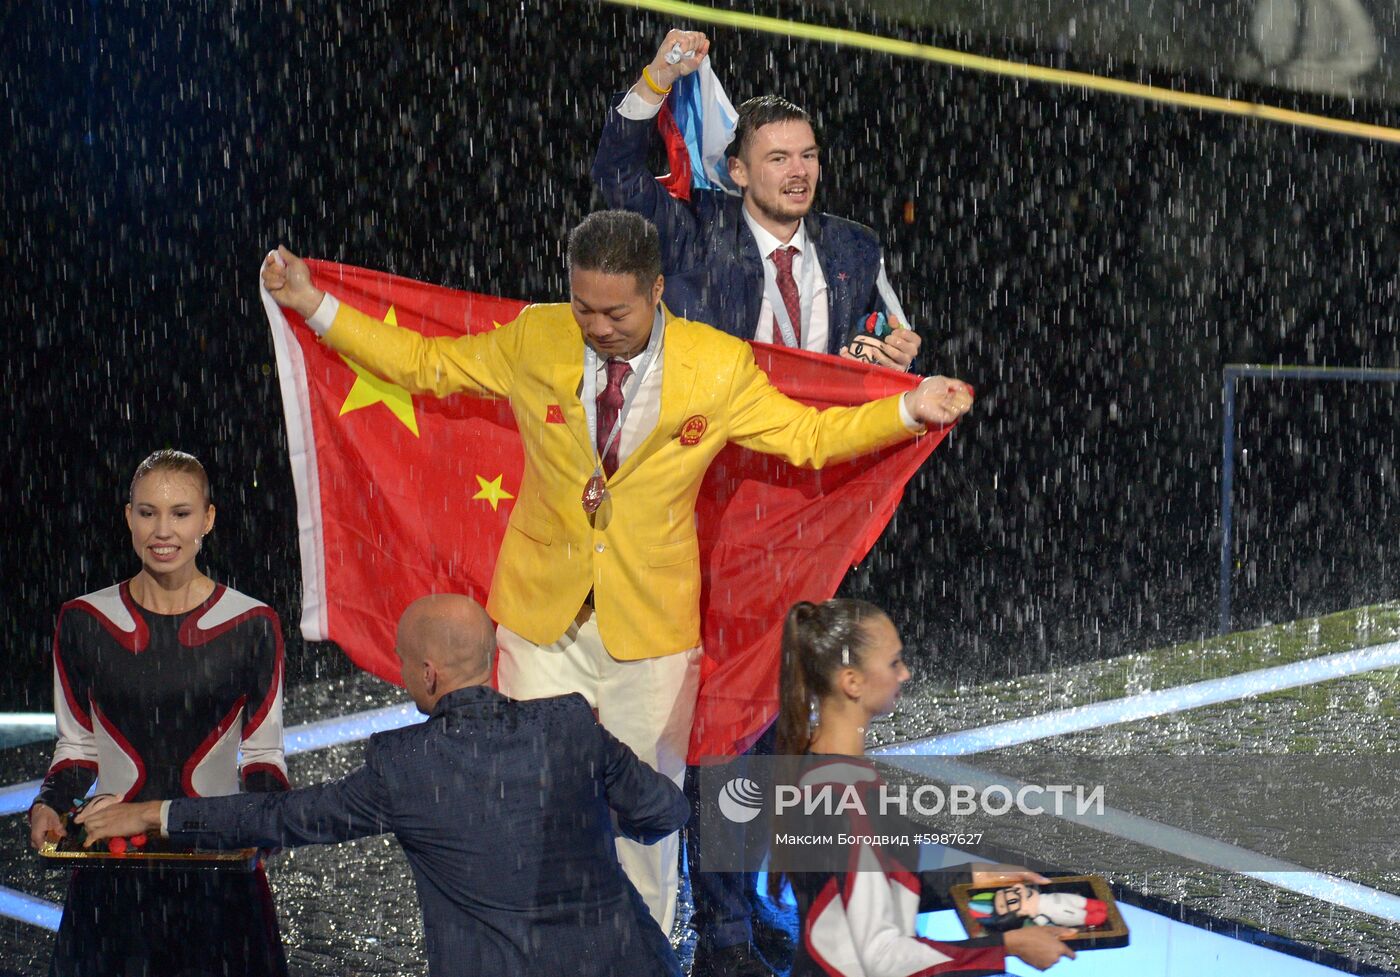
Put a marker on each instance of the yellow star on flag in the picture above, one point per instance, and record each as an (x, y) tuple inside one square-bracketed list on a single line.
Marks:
[(369, 390), (491, 491)]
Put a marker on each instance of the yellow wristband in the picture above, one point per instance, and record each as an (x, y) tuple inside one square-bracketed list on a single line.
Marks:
[(646, 77)]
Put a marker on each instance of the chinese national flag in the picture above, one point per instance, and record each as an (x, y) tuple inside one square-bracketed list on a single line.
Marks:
[(400, 496)]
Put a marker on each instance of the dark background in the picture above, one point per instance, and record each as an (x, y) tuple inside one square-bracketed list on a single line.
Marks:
[(1088, 262)]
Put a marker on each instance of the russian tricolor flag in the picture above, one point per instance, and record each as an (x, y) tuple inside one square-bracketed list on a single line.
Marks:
[(697, 124)]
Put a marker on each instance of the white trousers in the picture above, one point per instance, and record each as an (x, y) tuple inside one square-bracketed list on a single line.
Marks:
[(647, 704)]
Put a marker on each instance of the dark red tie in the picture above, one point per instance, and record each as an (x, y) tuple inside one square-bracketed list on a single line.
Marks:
[(609, 404), (787, 288)]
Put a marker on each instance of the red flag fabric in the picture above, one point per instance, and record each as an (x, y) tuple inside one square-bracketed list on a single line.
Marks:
[(677, 181), (400, 496)]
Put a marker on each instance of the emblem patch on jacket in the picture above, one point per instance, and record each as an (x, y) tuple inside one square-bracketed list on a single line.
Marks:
[(554, 414), (693, 429)]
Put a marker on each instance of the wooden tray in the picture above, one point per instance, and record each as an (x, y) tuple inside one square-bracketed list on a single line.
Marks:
[(235, 859), (1113, 932)]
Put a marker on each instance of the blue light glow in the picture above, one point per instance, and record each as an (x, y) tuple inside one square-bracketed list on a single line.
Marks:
[(349, 729), (28, 909), (17, 797), (1149, 704), (1198, 848)]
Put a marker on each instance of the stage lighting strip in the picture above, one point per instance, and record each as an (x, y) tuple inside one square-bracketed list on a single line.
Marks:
[(299, 739), (1012, 69), (1188, 845), (1148, 705), (27, 719)]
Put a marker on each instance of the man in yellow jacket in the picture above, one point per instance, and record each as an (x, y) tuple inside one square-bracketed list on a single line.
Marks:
[(621, 408)]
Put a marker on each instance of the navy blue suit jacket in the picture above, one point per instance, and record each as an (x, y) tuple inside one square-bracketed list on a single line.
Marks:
[(709, 256), (503, 810)]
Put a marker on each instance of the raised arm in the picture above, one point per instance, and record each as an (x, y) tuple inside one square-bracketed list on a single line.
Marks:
[(482, 364), (764, 419), (620, 167), (679, 55)]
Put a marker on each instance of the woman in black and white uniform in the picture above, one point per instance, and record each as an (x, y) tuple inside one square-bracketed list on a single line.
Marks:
[(160, 682)]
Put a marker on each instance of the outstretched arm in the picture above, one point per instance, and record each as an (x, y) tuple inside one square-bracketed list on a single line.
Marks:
[(355, 806), (938, 400), (764, 419), (288, 280), (482, 364)]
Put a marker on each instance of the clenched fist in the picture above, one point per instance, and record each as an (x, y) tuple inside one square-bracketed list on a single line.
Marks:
[(939, 401), (288, 280), (680, 54)]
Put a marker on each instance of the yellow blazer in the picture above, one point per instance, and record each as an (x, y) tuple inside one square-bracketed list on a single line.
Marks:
[(639, 553)]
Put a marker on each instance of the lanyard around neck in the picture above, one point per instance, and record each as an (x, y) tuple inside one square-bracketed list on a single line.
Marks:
[(629, 395)]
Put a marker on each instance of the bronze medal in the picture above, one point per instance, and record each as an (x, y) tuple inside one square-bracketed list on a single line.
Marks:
[(594, 493)]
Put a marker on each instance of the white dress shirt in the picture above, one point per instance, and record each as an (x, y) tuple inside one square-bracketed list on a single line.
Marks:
[(638, 109), (813, 332)]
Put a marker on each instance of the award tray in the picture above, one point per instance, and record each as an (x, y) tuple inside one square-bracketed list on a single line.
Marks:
[(154, 855), (1113, 932)]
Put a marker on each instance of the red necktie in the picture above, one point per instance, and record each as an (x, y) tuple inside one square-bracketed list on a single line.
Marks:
[(787, 288), (609, 404)]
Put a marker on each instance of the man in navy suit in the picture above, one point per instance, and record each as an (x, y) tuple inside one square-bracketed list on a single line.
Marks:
[(762, 266), (504, 810)]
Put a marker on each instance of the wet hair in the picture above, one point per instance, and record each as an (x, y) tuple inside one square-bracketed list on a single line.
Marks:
[(174, 462), (761, 111), (617, 242), (818, 641)]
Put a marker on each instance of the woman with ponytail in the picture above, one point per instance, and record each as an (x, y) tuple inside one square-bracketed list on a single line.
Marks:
[(842, 667)]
